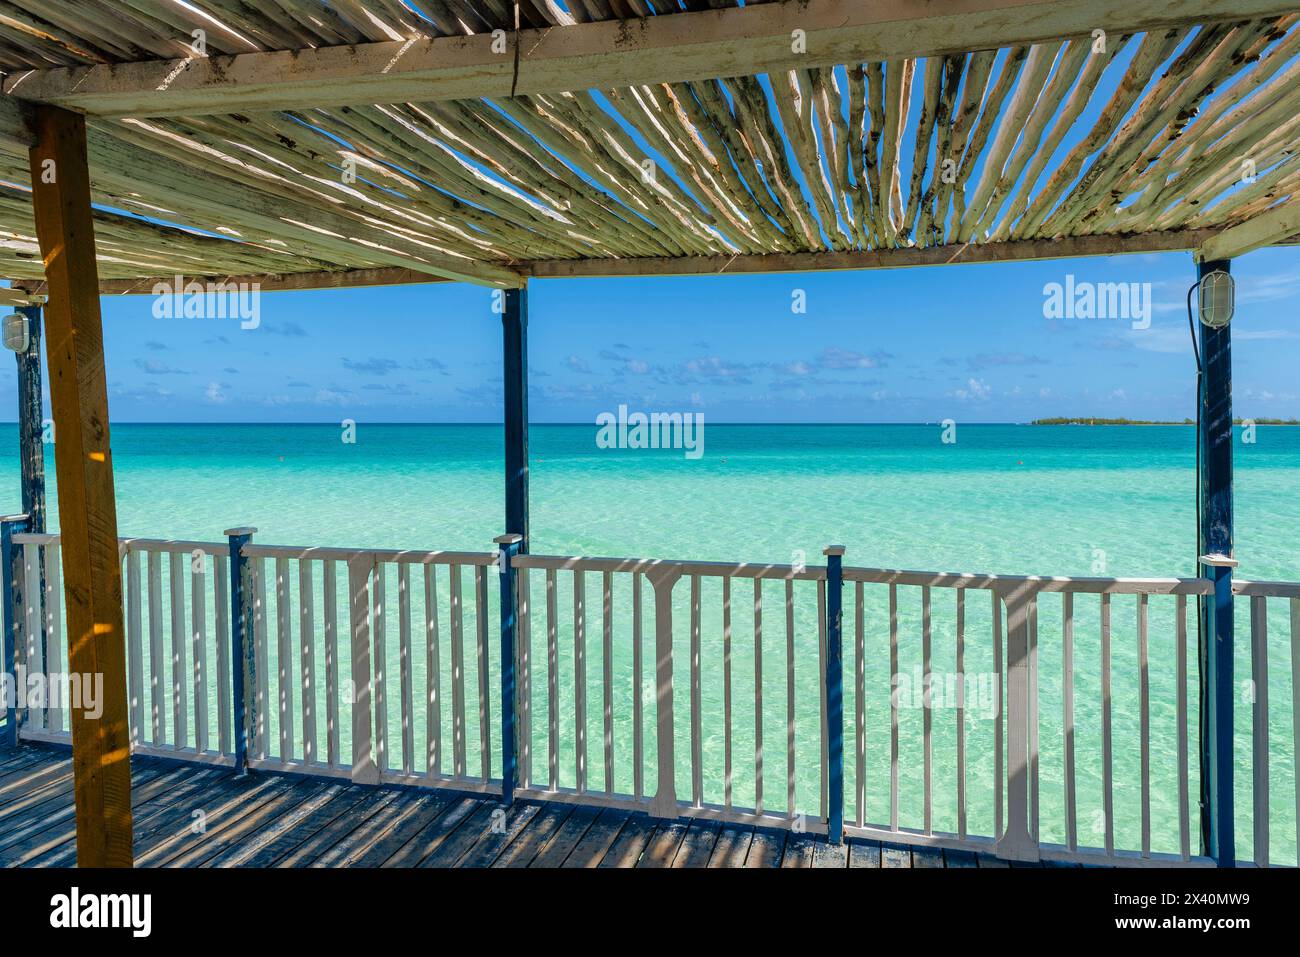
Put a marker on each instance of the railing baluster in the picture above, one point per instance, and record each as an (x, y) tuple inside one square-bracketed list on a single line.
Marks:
[(11, 555), (1259, 722), (361, 570), (379, 604), (329, 582), (823, 752), (199, 653), (484, 699), (1018, 841), (961, 713), (1067, 717), (1144, 721), (33, 625), (523, 608), (432, 675), (726, 692), (135, 640), (998, 777), (664, 803), (552, 686), (791, 811), (180, 680), (157, 661), (1295, 711), (404, 667), (893, 707), (607, 658), (284, 658), (1032, 717), (580, 679), (758, 695), (697, 736), (261, 646), (307, 663), (457, 678), (1108, 794), (926, 718), (860, 703), (638, 678), (54, 627), (1180, 654), (221, 614)]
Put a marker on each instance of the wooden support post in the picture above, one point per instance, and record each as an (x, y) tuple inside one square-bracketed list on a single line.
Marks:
[(365, 770), (834, 679), (509, 548), (92, 577), (1017, 842), (243, 661), (514, 327), (1216, 543), (662, 579)]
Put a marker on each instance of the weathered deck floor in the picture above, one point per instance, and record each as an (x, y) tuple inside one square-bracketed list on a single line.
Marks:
[(188, 815)]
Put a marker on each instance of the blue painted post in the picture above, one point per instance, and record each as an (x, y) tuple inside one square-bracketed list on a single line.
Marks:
[(509, 548), (1216, 561), (835, 691), (30, 422), (11, 559), (514, 323), (243, 664)]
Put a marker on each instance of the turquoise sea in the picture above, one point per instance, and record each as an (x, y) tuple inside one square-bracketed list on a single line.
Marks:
[(1115, 501)]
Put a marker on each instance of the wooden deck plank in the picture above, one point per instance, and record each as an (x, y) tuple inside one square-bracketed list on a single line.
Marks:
[(697, 845), (826, 854), (428, 838), (334, 805), (243, 830), (767, 848), (927, 856), (462, 840), (662, 848), (732, 846), (521, 851), (333, 834), (864, 854), (895, 855), (798, 851), (377, 836), (953, 857), (631, 841), (495, 840), (598, 840), (566, 838), (222, 804)]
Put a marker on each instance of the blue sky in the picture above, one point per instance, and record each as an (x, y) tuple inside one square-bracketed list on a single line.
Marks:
[(965, 342)]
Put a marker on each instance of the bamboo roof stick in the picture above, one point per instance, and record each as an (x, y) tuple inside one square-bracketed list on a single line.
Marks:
[(794, 107), (953, 68), (1151, 52), (898, 99), (983, 129), (1069, 65), (855, 146), (1080, 96), (1031, 86), (875, 74), (833, 129)]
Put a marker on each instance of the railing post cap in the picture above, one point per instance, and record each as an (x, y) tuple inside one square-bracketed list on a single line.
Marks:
[(242, 530), (509, 539), (833, 550), (10, 519), (1219, 561)]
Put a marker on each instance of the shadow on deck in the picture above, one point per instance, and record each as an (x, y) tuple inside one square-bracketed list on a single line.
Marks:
[(189, 815)]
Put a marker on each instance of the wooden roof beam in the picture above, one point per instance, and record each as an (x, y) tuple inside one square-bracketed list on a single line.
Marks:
[(736, 41), (1268, 228)]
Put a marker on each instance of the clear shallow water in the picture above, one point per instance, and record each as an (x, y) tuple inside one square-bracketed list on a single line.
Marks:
[(1010, 499)]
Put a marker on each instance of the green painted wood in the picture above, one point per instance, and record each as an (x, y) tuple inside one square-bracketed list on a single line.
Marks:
[(566, 838), (662, 848), (864, 854), (631, 841), (524, 848), (697, 846), (732, 846), (598, 840), (492, 842), (767, 848)]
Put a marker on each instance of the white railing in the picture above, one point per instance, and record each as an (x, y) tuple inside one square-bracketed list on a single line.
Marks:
[(1052, 717)]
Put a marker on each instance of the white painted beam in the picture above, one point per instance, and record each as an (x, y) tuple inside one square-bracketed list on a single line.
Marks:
[(1267, 228), (735, 41)]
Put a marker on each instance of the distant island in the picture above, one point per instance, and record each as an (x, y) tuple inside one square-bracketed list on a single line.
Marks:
[(1094, 421)]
